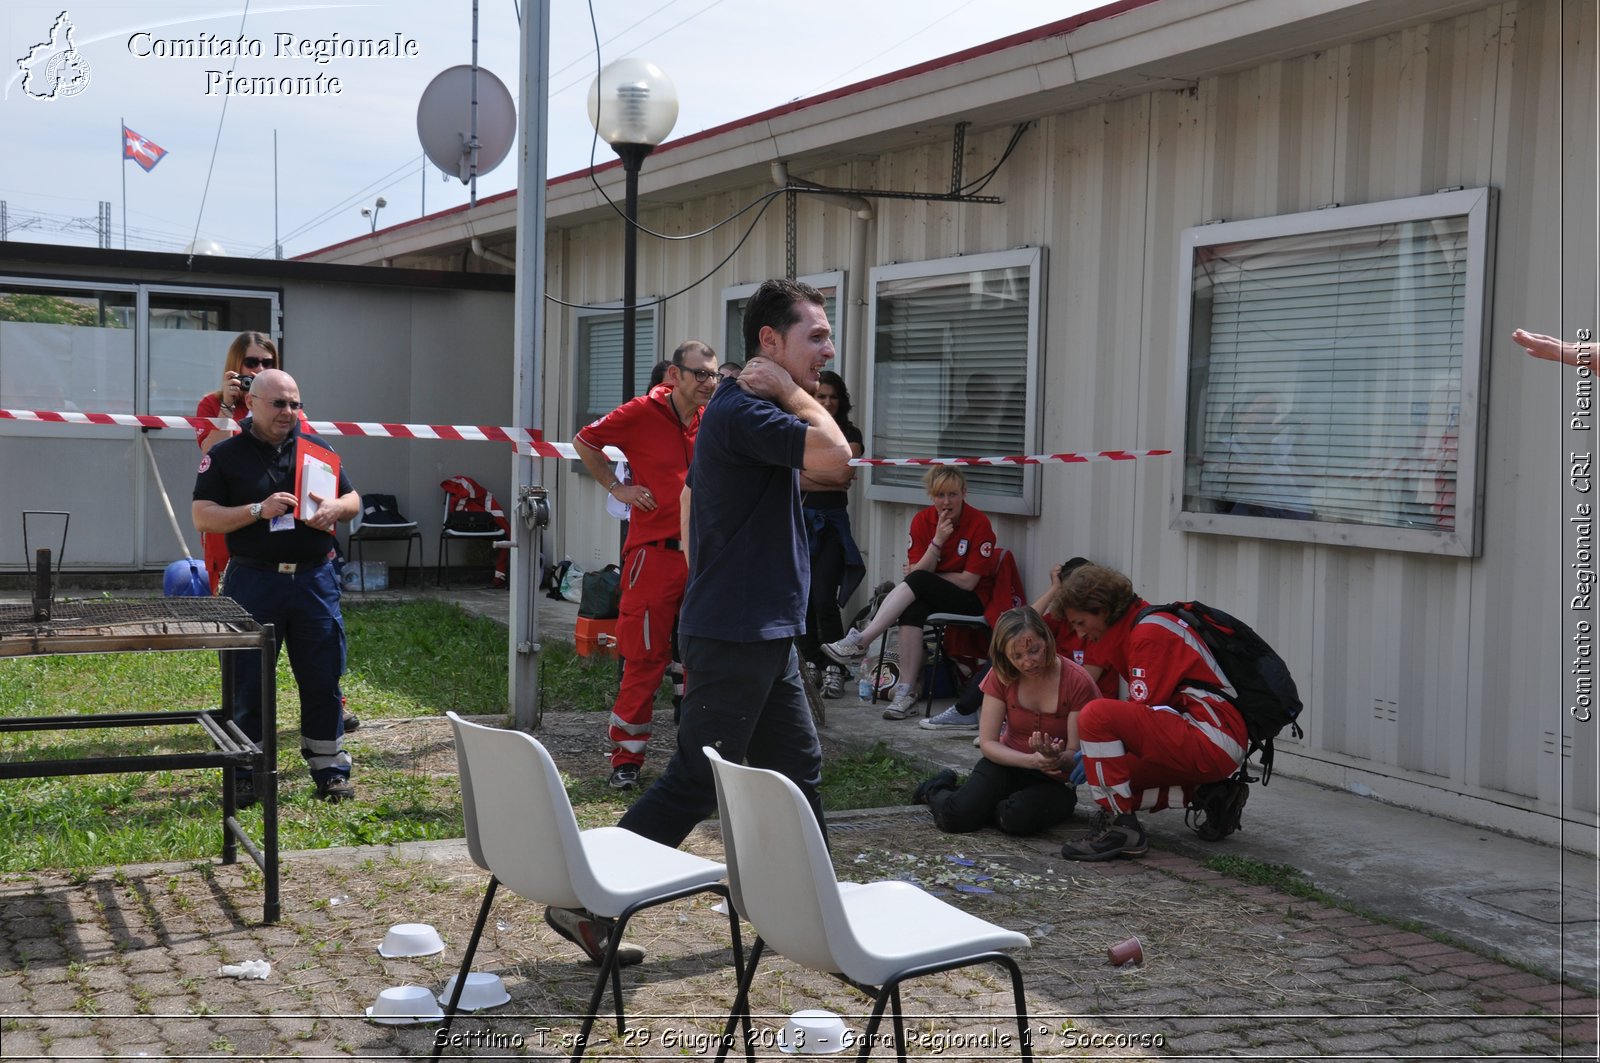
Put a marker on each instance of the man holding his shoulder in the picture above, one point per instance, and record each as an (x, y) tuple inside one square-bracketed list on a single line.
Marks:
[(281, 572), (749, 573), (656, 433)]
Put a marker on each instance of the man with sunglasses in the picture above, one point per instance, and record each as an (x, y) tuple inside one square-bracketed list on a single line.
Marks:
[(281, 572), (656, 433)]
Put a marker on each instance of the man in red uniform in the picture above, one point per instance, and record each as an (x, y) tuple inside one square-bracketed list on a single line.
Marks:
[(656, 434), (1173, 734)]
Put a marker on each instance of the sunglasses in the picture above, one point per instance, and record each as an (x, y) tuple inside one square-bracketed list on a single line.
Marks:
[(286, 404), (260, 363), (702, 375)]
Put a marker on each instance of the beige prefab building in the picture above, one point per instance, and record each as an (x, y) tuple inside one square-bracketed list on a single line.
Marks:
[(1287, 242)]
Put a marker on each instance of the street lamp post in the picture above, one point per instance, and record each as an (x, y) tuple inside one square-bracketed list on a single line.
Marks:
[(372, 212), (633, 107)]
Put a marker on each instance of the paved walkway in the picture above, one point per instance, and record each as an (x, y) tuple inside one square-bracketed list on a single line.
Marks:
[(125, 961)]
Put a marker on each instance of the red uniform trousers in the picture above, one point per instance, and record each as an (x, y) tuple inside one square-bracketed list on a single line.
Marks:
[(1152, 756), (653, 578)]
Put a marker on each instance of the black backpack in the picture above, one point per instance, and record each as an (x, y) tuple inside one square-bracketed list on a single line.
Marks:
[(1265, 694)]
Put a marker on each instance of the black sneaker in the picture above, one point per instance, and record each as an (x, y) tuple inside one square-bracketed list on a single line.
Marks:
[(351, 721), (335, 788), (624, 777), (591, 933), (945, 780), (244, 790), (1110, 838)]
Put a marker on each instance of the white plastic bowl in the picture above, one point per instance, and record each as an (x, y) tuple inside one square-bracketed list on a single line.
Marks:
[(483, 990), (410, 939), (814, 1032), (405, 1005)]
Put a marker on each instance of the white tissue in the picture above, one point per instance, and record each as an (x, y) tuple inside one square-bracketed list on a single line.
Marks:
[(247, 969)]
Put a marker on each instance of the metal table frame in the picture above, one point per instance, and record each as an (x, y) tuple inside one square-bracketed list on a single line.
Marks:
[(217, 625)]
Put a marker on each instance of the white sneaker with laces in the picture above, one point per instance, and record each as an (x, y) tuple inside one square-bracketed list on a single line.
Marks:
[(902, 706), (833, 679), (951, 719), (846, 650)]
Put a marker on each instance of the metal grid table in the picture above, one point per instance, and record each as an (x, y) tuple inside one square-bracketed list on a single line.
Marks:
[(163, 624)]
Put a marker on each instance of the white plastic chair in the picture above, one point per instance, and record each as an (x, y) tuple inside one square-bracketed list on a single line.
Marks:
[(872, 936), (520, 828)]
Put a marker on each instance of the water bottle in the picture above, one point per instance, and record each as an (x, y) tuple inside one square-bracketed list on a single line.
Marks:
[(864, 688)]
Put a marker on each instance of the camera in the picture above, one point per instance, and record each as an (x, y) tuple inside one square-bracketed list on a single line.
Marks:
[(244, 382)]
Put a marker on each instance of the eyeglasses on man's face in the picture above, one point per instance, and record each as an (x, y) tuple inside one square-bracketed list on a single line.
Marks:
[(700, 375), (252, 362), (286, 404)]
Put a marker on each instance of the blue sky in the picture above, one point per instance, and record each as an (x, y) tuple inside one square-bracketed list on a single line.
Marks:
[(336, 153)]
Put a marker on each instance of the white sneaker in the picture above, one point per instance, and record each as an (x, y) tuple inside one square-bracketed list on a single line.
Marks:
[(951, 719), (833, 679), (846, 650), (902, 706)]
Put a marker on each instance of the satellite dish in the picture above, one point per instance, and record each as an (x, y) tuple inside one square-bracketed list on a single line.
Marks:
[(444, 121), (204, 247)]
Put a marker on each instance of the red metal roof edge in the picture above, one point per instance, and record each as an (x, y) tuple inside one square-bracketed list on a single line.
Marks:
[(1028, 36)]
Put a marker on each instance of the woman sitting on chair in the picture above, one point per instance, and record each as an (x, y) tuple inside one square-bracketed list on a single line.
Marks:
[(950, 568), (1022, 784)]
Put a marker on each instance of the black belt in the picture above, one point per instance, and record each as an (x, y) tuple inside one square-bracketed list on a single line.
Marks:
[(284, 568), (670, 544)]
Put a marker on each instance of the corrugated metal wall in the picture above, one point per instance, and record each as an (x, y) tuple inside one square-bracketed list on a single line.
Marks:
[(1434, 681)]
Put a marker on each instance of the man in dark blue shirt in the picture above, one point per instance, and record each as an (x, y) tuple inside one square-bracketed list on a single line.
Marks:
[(281, 572), (749, 570)]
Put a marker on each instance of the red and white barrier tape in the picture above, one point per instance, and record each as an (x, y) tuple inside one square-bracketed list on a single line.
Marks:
[(526, 440)]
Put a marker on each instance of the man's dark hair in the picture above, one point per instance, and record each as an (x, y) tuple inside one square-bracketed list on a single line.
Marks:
[(692, 347), (658, 374), (773, 305)]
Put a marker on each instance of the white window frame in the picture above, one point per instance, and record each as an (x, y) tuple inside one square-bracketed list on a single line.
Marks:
[(1464, 539), (832, 281), (1034, 260), (580, 354)]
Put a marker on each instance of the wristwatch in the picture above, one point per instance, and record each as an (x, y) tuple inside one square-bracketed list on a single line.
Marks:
[(255, 511)]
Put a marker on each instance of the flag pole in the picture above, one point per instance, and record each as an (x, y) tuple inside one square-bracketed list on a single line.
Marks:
[(122, 151)]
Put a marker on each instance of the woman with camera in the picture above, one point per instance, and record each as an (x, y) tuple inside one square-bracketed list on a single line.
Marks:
[(248, 354)]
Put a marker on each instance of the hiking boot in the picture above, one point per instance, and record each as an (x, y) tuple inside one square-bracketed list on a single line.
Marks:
[(951, 719), (244, 790), (351, 721), (335, 788), (903, 706), (833, 680), (624, 777), (847, 650), (591, 933), (1110, 838), (923, 795)]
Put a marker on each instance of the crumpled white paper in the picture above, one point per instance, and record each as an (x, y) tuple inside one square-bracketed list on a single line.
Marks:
[(247, 969)]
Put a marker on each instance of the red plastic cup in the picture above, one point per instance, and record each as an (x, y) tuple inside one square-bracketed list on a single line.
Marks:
[(1124, 952)]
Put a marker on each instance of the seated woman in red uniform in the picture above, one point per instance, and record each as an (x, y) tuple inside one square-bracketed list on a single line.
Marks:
[(1021, 783), (950, 565), (1173, 734)]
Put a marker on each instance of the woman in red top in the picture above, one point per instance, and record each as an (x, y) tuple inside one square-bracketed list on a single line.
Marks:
[(1021, 784), (248, 354), (1174, 733), (949, 568)]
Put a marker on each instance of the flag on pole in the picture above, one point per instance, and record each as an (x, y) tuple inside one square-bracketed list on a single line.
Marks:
[(141, 150)]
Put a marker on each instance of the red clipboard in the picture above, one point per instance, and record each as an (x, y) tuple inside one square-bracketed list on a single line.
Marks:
[(314, 468)]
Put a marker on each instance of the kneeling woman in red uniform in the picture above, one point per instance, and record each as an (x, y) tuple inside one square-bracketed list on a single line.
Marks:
[(1021, 784), (1175, 732)]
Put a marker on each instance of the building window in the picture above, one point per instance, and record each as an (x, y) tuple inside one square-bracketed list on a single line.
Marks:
[(737, 297), (190, 330), (67, 349), (1334, 374), (954, 359), (598, 370)]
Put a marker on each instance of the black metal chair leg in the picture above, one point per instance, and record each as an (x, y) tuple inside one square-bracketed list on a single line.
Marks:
[(1024, 1034), (899, 1023), (466, 965), (879, 999), (741, 1005)]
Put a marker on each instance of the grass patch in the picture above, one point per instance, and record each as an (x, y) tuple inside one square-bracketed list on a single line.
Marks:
[(1281, 877), (406, 660)]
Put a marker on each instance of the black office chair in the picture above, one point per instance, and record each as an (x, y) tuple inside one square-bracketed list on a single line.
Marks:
[(380, 520), (463, 524)]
